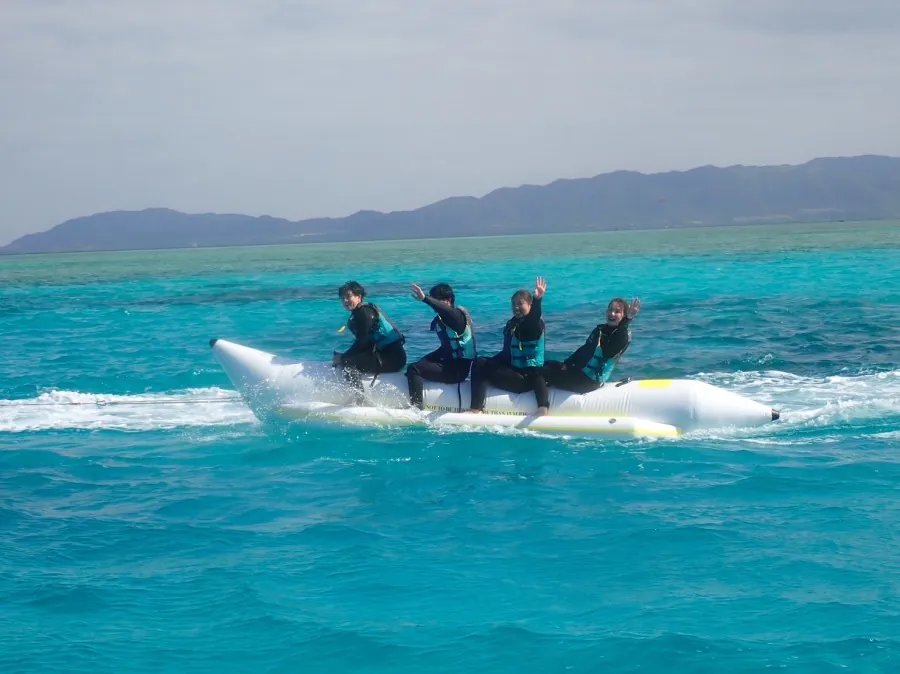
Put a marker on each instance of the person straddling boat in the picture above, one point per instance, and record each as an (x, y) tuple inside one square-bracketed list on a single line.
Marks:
[(592, 364), (450, 363), (518, 368), (378, 343)]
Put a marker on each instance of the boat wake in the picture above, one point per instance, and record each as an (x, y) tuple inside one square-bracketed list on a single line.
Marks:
[(820, 401), (72, 410)]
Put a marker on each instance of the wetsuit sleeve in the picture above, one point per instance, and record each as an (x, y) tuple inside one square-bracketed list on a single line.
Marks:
[(364, 322), (582, 355), (532, 326), (503, 356), (618, 340), (453, 318)]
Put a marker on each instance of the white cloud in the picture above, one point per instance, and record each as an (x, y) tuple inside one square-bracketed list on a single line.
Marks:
[(300, 109)]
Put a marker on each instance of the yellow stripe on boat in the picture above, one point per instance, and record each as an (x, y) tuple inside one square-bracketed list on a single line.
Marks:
[(655, 383)]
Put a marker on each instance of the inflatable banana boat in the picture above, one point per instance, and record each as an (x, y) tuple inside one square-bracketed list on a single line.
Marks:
[(280, 389)]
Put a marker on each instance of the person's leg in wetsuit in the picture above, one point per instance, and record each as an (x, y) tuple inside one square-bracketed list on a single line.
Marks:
[(356, 364), (508, 378), (481, 370), (391, 359), (559, 376), (433, 368), (521, 380)]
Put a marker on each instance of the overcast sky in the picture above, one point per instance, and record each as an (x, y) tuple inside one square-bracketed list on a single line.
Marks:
[(305, 108)]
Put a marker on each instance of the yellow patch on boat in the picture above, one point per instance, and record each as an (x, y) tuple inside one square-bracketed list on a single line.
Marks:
[(655, 383)]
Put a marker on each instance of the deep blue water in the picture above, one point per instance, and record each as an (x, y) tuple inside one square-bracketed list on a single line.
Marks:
[(148, 523)]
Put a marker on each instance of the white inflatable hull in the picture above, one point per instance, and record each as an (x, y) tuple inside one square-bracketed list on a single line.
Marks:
[(550, 424), (277, 388)]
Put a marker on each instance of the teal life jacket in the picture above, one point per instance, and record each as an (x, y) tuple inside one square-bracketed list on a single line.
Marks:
[(600, 367), (384, 332), (523, 353), (461, 346)]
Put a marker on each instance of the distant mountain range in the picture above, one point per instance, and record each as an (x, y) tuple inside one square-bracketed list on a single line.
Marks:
[(826, 189)]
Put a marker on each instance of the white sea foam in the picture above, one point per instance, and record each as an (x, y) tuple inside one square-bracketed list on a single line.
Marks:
[(60, 410), (818, 401)]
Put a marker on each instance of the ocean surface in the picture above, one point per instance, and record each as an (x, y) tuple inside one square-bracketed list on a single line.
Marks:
[(149, 523)]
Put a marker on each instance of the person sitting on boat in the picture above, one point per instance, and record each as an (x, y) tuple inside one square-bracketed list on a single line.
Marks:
[(591, 366), (451, 362), (519, 366), (378, 344)]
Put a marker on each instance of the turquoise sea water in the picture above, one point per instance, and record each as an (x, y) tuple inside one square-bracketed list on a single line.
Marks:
[(148, 523)]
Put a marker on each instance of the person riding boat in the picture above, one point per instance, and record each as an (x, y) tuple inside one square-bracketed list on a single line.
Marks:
[(592, 364), (378, 344), (451, 361), (519, 365)]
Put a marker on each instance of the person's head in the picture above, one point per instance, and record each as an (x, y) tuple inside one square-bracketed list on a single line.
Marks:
[(615, 311), (351, 294), (521, 303), (443, 293)]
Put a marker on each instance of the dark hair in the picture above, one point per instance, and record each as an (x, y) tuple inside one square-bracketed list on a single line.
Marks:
[(353, 288), (622, 303), (523, 294), (443, 292)]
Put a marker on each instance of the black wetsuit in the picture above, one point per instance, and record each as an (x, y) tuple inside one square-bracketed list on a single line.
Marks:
[(499, 371), (615, 340), (439, 365), (362, 356)]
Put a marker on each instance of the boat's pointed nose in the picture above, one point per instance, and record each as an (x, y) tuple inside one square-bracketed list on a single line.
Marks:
[(266, 381), (213, 341), (776, 415), (248, 369)]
